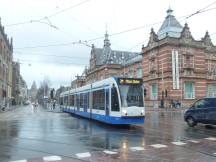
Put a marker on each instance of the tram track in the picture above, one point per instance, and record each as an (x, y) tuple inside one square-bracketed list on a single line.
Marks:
[(147, 130), (149, 134)]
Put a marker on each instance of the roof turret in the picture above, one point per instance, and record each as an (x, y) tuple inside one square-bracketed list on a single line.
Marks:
[(170, 27)]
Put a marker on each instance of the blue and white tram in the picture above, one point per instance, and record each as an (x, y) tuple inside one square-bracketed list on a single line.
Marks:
[(113, 101)]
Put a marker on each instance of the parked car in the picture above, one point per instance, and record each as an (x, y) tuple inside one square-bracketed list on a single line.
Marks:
[(202, 111)]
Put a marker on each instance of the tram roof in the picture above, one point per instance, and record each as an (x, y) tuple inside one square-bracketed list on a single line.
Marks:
[(98, 84)]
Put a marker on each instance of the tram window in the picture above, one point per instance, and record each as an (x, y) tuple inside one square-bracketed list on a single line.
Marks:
[(81, 100), (99, 99), (61, 101), (66, 100), (85, 100), (77, 100), (114, 99), (131, 95), (71, 100)]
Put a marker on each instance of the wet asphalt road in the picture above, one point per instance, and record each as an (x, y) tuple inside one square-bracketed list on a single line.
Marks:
[(41, 135)]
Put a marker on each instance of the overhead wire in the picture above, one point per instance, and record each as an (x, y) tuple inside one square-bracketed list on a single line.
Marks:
[(29, 61), (111, 35), (46, 17), (50, 55), (201, 10), (187, 17), (117, 33)]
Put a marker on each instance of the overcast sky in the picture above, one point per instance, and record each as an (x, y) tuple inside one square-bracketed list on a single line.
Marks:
[(85, 20)]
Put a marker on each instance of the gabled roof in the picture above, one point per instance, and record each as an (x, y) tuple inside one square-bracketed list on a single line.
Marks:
[(170, 27), (106, 55), (109, 56)]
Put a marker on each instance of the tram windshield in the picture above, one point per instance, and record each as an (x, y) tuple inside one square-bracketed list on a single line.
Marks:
[(131, 95)]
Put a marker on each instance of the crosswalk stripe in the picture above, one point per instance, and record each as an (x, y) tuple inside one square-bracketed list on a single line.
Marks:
[(52, 158), (179, 143), (211, 138), (137, 148), (83, 155), (158, 146), (109, 152), (19, 161), (194, 141)]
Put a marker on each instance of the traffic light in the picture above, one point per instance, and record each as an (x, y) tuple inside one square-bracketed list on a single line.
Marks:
[(145, 92)]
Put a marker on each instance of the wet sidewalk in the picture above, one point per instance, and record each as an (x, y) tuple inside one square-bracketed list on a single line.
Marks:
[(10, 108), (166, 109)]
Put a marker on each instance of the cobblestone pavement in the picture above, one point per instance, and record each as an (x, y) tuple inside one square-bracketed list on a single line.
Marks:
[(38, 135)]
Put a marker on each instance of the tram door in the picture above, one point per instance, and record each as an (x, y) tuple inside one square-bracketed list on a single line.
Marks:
[(107, 101)]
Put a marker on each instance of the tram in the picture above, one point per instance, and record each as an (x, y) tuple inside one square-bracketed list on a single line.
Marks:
[(115, 100)]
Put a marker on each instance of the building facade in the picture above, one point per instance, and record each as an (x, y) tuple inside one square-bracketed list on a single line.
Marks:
[(105, 62), (6, 57), (176, 67), (19, 88)]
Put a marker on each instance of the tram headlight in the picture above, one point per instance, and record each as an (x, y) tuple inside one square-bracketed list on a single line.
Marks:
[(124, 112), (142, 112)]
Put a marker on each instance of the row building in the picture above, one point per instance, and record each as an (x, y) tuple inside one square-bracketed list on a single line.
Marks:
[(173, 65), (9, 71)]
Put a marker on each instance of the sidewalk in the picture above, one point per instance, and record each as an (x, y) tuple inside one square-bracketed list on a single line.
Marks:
[(166, 109), (10, 108)]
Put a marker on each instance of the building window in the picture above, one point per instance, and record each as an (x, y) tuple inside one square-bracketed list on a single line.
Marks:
[(152, 66), (189, 91), (211, 90), (154, 92), (130, 73), (188, 72), (214, 73), (188, 61), (139, 73)]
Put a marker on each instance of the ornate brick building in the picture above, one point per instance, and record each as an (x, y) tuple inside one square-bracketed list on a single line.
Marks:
[(6, 56), (176, 67), (105, 62)]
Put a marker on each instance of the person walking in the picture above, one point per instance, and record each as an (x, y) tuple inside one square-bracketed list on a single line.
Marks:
[(54, 102)]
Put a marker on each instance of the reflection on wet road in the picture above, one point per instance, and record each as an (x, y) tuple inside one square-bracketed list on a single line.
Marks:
[(35, 134)]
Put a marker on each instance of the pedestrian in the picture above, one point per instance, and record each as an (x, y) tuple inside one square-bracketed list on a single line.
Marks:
[(51, 105), (54, 102)]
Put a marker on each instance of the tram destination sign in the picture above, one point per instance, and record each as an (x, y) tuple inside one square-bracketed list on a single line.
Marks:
[(130, 81)]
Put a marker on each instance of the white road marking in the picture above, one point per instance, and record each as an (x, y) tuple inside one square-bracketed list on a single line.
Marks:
[(211, 138), (194, 141), (179, 143), (137, 148), (52, 158), (19, 161), (214, 153), (109, 152), (158, 146), (83, 155)]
